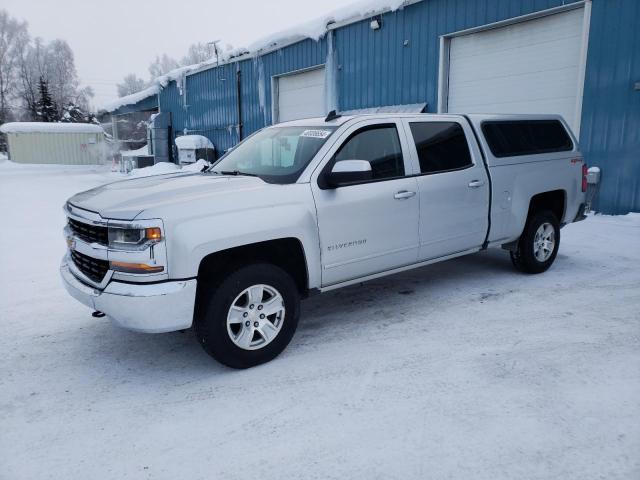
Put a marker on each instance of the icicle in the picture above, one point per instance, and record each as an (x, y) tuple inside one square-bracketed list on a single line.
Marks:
[(262, 96), (331, 77)]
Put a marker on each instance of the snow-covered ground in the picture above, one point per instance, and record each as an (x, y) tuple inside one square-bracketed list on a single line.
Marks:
[(465, 369)]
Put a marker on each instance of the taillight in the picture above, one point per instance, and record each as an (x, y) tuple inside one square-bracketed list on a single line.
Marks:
[(585, 171)]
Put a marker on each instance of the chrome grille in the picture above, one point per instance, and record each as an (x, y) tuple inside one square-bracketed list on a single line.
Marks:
[(92, 267), (89, 233)]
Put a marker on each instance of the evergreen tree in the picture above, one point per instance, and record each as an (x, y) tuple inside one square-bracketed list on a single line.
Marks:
[(73, 113), (46, 107)]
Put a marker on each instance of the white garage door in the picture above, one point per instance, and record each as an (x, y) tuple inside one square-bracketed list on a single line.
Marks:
[(301, 95), (528, 67)]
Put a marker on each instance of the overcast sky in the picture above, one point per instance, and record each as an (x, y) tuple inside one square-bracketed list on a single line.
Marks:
[(116, 37)]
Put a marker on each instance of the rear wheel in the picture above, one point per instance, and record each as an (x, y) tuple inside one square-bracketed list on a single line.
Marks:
[(250, 316), (538, 245)]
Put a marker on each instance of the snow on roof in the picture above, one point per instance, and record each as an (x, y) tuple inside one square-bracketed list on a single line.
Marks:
[(45, 127), (133, 98), (314, 30), (193, 142)]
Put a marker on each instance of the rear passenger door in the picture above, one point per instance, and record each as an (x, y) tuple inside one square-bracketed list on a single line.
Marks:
[(453, 186)]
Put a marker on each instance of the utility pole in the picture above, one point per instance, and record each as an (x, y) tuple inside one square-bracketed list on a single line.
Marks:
[(215, 50)]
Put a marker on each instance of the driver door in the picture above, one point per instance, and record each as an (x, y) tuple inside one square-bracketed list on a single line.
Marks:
[(372, 226)]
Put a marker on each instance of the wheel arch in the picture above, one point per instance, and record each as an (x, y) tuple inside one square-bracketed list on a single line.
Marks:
[(287, 253), (553, 200)]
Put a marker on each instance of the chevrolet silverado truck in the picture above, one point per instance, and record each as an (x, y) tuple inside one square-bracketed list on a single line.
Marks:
[(313, 205)]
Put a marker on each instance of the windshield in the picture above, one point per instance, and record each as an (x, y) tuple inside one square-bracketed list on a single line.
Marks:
[(275, 154)]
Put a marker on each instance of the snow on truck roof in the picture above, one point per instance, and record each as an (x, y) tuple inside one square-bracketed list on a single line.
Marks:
[(45, 127), (313, 29)]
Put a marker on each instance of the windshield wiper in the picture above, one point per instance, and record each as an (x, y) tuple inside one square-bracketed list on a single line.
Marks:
[(234, 173)]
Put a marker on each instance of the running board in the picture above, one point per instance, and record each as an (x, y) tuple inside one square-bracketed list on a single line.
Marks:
[(397, 270)]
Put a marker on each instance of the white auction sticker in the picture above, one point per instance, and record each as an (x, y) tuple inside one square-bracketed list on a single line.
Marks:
[(316, 133)]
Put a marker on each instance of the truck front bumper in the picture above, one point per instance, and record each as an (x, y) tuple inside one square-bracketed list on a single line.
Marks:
[(151, 308)]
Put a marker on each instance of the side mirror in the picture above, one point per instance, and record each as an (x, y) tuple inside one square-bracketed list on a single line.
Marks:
[(349, 171)]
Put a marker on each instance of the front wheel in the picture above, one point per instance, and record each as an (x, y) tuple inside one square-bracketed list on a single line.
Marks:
[(250, 316), (538, 245)]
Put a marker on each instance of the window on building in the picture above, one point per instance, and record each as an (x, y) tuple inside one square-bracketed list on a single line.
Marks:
[(526, 137), (380, 145), (441, 146)]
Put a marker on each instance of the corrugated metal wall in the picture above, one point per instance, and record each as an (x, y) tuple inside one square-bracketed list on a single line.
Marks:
[(610, 133), (398, 64), (57, 148), (211, 106)]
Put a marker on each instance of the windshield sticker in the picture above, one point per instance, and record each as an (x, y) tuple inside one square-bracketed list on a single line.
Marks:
[(316, 133)]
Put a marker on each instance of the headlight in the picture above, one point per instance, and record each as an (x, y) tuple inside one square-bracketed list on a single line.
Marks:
[(133, 238)]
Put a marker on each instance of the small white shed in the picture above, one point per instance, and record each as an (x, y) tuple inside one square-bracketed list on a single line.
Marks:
[(55, 143), (194, 147)]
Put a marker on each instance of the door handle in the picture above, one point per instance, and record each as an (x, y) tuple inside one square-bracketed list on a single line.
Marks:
[(403, 195), (476, 183)]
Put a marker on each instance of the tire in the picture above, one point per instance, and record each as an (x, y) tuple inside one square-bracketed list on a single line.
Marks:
[(538, 244), (250, 316)]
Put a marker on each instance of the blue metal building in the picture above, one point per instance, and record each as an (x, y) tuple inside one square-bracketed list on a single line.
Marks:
[(427, 52)]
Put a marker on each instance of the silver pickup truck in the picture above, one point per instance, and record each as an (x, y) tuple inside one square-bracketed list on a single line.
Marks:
[(313, 205)]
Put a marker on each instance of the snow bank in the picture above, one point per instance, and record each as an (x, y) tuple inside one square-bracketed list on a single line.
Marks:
[(164, 168), (314, 30), (193, 142), (505, 376), (161, 168), (196, 166), (45, 127)]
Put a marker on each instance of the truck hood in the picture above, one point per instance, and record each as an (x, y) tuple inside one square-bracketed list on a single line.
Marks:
[(128, 199)]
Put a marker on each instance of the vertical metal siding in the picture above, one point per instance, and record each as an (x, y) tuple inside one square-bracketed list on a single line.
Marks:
[(211, 106), (305, 54), (398, 64), (211, 95), (610, 133), (171, 102), (63, 148)]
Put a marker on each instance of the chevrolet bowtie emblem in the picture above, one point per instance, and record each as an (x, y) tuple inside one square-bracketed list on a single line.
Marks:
[(71, 243)]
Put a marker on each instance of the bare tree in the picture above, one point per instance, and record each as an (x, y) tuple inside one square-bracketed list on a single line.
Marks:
[(130, 84), (162, 65), (55, 63), (199, 52), (14, 37), (61, 73), (32, 68)]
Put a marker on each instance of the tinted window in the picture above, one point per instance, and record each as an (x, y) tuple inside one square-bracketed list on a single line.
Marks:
[(379, 145), (441, 146), (526, 137)]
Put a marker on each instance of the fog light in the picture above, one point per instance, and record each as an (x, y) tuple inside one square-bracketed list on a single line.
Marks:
[(126, 267)]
